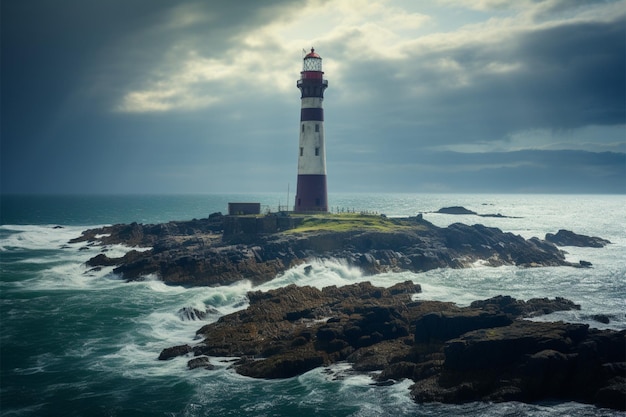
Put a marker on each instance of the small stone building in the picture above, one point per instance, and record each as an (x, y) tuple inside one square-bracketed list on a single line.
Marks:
[(238, 209)]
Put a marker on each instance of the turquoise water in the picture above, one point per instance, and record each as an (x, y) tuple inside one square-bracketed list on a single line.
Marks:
[(82, 343)]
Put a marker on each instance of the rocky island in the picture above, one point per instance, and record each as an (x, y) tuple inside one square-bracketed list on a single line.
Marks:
[(221, 250), (484, 352)]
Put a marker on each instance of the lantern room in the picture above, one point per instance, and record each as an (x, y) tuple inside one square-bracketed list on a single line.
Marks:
[(312, 82), (312, 62)]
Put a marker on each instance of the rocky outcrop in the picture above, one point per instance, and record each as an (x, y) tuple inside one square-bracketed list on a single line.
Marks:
[(200, 362), (455, 210), (174, 351), (528, 361), (197, 253), (459, 210), (164, 234), (567, 238), (299, 328), (453, 354)]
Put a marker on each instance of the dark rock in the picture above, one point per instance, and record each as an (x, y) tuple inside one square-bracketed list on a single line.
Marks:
[(327, 333), (129, 258), (172, 352), (380, 356), (397, 371), (406, 287), (547, 371), (601, 318), (295, 362), (455, 210), (200, 362), (520, 308), (612, 395), (443, 326), (500, 347), (463, 210), (568, 238), (101, 260), (529, 361), (191, 313)]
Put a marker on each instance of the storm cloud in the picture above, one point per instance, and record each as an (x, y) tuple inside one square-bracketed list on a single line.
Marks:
[(191, 96)]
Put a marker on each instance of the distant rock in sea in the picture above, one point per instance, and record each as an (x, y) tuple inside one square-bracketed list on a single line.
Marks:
[(455, 210), (568, 238), (460, 210)]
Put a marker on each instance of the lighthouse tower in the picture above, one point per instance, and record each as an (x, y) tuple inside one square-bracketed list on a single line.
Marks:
[(311, 194)]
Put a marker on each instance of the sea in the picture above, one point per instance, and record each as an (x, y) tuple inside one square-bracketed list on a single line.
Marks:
[(76, 342)]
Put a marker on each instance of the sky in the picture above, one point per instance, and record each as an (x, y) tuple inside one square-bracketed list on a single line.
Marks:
[(439, 96)]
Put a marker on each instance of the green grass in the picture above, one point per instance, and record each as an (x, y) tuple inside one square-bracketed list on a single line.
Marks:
[(347, 222)]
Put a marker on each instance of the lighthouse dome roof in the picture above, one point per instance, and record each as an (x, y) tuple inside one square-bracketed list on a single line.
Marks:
[(312, 54)]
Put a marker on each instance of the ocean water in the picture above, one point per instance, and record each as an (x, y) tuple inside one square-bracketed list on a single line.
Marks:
[(80, 343)]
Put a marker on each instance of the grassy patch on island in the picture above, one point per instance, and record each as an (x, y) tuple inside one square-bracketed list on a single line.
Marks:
[(350, 221)]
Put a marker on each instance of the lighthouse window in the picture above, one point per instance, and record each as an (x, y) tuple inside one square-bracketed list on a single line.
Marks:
[(318, 202), (303, 127), (317, 127), (301, 151), (317, 151)]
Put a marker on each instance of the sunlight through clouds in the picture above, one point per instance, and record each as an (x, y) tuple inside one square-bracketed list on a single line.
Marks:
[(264, 56), (487, 61)]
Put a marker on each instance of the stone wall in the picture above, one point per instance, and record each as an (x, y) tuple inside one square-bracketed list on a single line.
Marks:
[(253, 225)]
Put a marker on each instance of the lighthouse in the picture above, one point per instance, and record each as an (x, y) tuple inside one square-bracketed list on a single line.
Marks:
[(311, 193)]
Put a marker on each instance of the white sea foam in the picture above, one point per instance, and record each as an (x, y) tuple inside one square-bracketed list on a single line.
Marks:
[(159, 326), (139, 361), (317, 273), (61, 264), (338, 383), (36, 237), (320, 273), (50, 237), (71, 276), (29, 371)]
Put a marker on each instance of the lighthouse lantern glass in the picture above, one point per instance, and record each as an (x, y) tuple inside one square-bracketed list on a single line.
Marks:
[(312, 64)]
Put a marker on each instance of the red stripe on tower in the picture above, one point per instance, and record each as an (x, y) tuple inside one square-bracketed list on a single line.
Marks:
[(311, 194)]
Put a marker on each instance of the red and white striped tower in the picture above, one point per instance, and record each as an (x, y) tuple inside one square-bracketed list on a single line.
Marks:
[(311, 194)]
